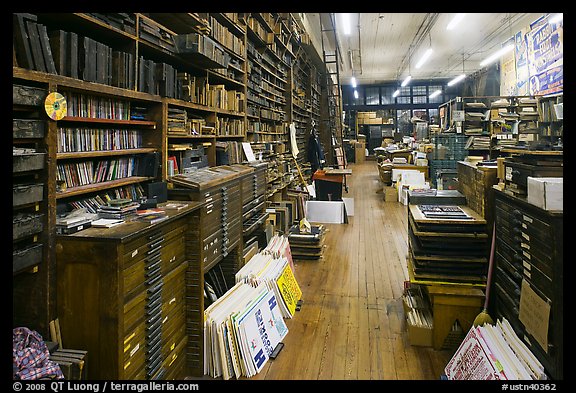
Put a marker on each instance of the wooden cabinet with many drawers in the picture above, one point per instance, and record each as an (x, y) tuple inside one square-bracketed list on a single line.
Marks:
[(529, 257), (121, 296)]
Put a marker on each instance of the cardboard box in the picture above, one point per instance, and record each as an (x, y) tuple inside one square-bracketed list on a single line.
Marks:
[(328, 212), (360, 152), (546, 192), (390, 194)]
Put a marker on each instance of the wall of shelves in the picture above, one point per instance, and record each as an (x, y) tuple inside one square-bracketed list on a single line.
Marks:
[(172, 89)]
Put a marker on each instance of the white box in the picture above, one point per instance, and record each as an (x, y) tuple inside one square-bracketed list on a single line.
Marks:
[(325, 212), (349, 203), (546, 192)]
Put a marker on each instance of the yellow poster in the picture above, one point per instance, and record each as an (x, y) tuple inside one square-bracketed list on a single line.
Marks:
[(289, 288)]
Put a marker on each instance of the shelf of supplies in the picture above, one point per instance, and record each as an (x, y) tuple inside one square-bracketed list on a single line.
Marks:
[(142, 123), (191, 136), (101, 186), (229, 23), (76, 84), (204, 108), (82, 19), (103, 153)]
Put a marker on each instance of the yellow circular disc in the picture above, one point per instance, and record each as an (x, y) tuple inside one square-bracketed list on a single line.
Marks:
[(55, 106)]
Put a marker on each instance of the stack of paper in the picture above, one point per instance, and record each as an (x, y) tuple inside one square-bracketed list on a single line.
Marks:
[(241, 330), (276, 273), (494, 352), (280, 246)]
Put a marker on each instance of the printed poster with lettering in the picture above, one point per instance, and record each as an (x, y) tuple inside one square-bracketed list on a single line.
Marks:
[(545, 57), (521, 56), (508, 71), (263, 328), (471, 361), (289, 289)]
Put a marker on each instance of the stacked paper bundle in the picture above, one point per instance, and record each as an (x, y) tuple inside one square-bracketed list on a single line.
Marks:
[(241, 330), (494, 352), (274, 272), (244, 326)]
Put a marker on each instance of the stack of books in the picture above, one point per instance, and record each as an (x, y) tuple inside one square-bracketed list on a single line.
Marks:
[(118, 209), (73, 222), (151, 216)]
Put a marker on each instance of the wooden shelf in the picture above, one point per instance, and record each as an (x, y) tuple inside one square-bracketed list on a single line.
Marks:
[(103, 153), (74, 119), (101, 186)]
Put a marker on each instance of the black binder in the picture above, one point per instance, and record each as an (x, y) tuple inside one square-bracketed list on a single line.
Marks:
[(101, 66), (46, 50), (35, 46), (72, 59), (22, 43), (58, 43), (149, 165)]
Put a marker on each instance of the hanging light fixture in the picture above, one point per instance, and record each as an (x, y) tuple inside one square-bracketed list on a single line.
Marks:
[(455, 21), (407, 79), (459, 77), (426, 54)]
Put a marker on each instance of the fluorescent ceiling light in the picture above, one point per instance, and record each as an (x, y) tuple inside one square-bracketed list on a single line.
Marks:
[(456, 80), (454, 22), (496, 55), (405, 81), (424, 57), (353, 82), (556, 18), (437, 92), (396, 93), (356, 94), (346, 24)]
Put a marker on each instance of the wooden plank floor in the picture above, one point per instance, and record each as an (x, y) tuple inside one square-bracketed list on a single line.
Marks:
[(352, 325)]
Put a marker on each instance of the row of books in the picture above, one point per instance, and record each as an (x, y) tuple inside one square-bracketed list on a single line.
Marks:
[(258, 126), (229, 126), (95, 139), (218, 97), (77, 174), (494, 352), (158, 78), (93, 203), (228, 153), (221, 34), (272, 114), (96, 107)]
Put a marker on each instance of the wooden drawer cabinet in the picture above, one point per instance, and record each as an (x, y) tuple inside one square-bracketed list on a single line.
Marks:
[(122, 296), (529, 248)]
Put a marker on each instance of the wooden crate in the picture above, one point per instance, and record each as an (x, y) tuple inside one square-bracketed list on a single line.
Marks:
[(475, 183)]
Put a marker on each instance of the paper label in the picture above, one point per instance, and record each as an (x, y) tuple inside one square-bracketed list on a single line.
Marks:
[(534, 314)]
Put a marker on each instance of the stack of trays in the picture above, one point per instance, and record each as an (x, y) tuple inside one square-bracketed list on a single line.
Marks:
[(306, 246), (451, 250)]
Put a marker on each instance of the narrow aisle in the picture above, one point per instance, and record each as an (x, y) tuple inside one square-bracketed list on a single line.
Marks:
[(352, 325)]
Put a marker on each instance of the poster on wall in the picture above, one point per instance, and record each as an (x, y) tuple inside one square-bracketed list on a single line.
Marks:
[(508, 71), (521, 54), (545, 57)]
